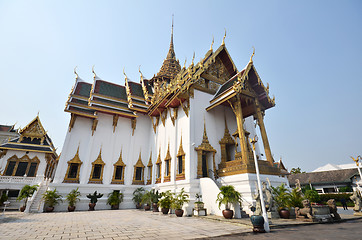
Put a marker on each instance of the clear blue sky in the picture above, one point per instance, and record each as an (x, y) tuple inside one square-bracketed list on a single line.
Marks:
[(310, 52)]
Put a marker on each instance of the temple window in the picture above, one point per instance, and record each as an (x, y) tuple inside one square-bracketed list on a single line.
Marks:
[(73, 171), (10, 168), (72, 174), (118, 173), (138, 174), (180, 163), (167, 176), (23, 166), (97, 170)]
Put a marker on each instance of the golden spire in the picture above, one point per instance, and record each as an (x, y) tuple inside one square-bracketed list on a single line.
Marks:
[(193, 58), (185, 62), (223, 40), (95, 75), (212, 43), (171, 53)]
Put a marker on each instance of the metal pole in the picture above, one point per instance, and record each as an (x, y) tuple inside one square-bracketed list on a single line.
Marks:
[(266, 220)]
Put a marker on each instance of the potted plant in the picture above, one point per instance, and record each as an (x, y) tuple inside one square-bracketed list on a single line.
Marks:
[(26, 192), (137, 196), (114, 199), (198, 204), (147, 200), (227, 196), (165, 201), (178, 201), (155, 195), (3, 198), (281, 196), (93, 200), (51, 198), (72, 199)]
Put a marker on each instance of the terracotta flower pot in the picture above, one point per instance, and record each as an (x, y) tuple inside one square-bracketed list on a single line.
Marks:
[(228, 214), (49, 209), (147, 207), (71, 209), (165, 210), (155, 207), (179, 212), (22, 208), (284, 213), (91, 206), (115, 207)]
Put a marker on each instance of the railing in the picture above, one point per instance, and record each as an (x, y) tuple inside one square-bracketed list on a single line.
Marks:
[(13, 179)]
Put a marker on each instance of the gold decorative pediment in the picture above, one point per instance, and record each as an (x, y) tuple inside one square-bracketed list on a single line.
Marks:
[(159, 161), (218, 70), (120, 161), (205, 144), (76, 158), (180, 149), (150, 161), (168, 155), (139, 162), (99, 159), (33, 130)]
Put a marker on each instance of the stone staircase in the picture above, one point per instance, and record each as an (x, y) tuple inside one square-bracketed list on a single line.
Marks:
[(36, 203)]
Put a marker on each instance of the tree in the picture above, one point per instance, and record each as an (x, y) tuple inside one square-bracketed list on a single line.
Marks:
[(296, 170)]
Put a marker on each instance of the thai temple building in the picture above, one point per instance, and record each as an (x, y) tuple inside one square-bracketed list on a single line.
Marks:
[(27, 157), (186, 127)]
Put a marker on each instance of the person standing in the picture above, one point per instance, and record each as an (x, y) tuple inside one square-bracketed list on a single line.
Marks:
[(344, 204)]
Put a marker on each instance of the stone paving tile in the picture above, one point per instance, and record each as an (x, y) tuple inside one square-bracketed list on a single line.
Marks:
[(119, 224)]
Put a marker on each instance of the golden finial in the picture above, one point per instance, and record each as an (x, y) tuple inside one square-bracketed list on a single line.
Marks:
[(125, 76), (193, 58), (212, 43), (252, 55), (75, 72), (223, 40), (253, 141), (139, 70), (185, 62), (356, 159)]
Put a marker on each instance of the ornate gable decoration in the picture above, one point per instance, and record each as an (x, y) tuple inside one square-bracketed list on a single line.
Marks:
[(227, 139), (76, 158), (205, 144), (159, 161), (150, 161), (33, 130), (168, 155), (99, 159), (139, 162), (180, 149), (120, 161), (218, 70)]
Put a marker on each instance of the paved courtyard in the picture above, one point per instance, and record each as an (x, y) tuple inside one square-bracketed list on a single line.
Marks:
[(111, 224), (341, 231)]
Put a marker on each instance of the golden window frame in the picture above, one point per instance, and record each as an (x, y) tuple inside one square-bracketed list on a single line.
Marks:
[(159, 165), (75, 160), (167, 177), (149, 173), (139, 164), (119, 163), (98, 161), (17, 160), (180, 153)]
